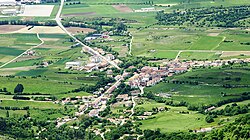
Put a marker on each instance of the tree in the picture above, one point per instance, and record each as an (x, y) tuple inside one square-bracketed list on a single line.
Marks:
[(209, 119), (7, 114), (19, 88)]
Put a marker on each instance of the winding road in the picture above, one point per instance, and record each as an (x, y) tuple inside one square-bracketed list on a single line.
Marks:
[(24, 52), (90, 50)]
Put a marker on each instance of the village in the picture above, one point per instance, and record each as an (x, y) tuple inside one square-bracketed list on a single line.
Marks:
[(146, 76)]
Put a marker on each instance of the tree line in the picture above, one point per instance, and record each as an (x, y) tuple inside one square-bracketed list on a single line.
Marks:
[(206, 17)]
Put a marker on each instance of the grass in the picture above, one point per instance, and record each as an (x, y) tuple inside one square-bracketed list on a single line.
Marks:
[(173, 121), (199, 55), (41, 85), (97, 9), (22, 63), (31, 104)]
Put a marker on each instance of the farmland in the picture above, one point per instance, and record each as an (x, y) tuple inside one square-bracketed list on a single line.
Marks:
[(174, 121), (126, 69), (210, 89)]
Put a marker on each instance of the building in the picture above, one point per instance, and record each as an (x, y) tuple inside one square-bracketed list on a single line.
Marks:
[(30, 1), (110, 56), (73, 65), (95, 59), (9, 12), (8, 2)]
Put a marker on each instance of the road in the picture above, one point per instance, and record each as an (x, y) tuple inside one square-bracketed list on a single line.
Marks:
[(130, 44), (24, 52), (90, 50), (116, 84), (177, 56), (133, 108)]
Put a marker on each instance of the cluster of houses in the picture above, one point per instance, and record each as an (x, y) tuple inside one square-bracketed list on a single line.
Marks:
[(95, 62), (97, 36), (149, 76)]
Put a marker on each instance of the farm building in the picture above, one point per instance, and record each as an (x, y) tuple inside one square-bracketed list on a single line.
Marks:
[(30, 1), (74, 65), (8, 2), (9, 12)]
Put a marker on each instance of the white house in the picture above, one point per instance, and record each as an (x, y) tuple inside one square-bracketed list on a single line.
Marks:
[(73, 65)]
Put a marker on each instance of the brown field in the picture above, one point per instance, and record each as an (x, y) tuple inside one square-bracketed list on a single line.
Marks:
[(42, 29), (76, 30), (79, 14), (238, 53), (123, 8), (213, 34), (12, 71), (10, 28), (50, 39)]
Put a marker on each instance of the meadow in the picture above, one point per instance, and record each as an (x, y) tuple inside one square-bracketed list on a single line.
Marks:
[(174, 121)]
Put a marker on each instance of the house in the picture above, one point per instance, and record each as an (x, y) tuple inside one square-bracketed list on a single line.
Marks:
[(210, 108), (109, 72), (93, 113), (147, 113), (135, 92), (73, 65), (110, 56), (122, 97), (90, 67), (103, 64), (95, 59)]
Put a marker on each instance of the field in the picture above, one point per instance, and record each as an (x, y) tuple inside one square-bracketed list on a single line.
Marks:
[(56, 50), (210, 87), (37, 10), (174, 121), (167, 42)]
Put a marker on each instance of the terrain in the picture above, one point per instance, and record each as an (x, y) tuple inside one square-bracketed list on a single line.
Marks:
[(139, 69)]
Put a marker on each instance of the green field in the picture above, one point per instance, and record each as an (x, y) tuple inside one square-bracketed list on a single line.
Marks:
[(173, 120)]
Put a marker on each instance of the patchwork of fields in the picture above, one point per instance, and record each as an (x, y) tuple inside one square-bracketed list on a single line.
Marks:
[(43, 73)]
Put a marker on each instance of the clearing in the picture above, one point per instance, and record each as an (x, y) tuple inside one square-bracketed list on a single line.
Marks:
[(123, 8), (37, 10)]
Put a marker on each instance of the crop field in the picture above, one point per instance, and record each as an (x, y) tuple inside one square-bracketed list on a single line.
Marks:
[(11, 45), (166, 42), (210, 88)]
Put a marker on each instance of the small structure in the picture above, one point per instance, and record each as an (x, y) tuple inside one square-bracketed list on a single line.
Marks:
[(73, 65), (8, 2), (110, 56), (9, 12)]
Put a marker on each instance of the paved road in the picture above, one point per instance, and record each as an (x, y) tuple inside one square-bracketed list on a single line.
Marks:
[(90, 50), (130, 44), (23, 52)]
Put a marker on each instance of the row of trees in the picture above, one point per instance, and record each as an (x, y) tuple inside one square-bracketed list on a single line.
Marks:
[(206, 17)]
